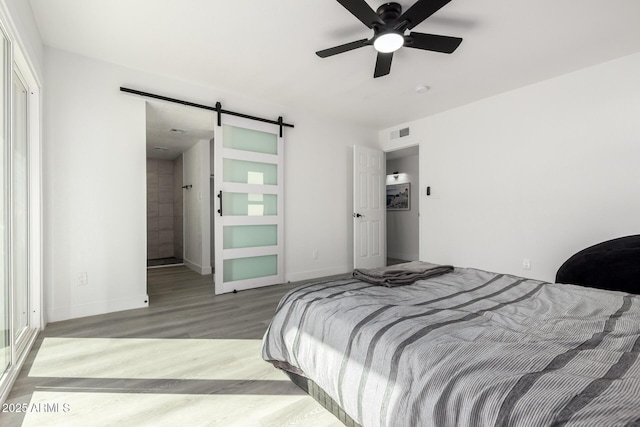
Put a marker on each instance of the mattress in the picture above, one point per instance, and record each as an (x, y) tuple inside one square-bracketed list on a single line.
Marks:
[(467, 348)]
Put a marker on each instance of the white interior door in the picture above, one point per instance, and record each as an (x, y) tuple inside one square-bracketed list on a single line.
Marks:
[(369, 208), (248, 182)]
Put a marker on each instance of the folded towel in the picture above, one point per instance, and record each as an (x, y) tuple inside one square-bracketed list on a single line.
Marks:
[(401, 274)]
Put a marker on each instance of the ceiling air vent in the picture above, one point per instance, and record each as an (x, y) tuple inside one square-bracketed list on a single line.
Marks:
[(400, 133)]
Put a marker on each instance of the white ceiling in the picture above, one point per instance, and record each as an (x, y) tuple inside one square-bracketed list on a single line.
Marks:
[(266, 49), (176, 128)]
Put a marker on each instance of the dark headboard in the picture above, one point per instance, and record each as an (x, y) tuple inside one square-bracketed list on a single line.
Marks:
[(614, 265)]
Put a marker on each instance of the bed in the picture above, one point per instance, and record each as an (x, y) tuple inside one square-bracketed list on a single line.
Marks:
[(465, 348)]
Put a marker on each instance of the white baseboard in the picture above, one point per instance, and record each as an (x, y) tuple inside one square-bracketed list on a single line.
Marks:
[(56, 314), (197, 267)]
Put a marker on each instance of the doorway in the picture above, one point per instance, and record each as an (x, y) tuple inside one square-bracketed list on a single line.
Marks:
[(178, 174), (248, 230), (402, 198)]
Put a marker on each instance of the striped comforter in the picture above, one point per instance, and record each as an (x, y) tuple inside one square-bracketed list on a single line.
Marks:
[(468, 348)]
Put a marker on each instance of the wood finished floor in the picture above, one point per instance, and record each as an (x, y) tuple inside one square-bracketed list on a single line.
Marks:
[(182, 306)]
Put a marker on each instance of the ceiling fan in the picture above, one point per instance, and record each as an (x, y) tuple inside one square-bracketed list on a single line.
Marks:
[(389, 25)]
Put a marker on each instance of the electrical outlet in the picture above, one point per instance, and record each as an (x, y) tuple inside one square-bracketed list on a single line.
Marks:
[(83, 279), (314, 254), (526, 264)]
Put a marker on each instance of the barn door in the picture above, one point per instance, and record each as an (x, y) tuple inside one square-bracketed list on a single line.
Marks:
[(248, 175)]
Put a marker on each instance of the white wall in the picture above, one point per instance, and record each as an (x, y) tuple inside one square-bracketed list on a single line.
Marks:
[(403, 226), (538, 173), (318, 185), (197, 231), (87, 117), (95, 192)]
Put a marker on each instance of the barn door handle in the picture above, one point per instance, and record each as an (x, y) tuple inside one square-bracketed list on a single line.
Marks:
[(220, 197)]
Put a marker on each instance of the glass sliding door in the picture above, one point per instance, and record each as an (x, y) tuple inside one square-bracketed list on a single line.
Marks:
[(20, 217), (20, 208), (248, 183), (5, 292)]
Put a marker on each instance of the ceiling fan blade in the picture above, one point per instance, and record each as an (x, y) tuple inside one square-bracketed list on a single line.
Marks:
[(361, 10), (383, 64), (421, 10), (342, 48), (432, 42)]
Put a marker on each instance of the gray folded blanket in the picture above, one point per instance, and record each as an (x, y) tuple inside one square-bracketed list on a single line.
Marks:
[(401, 274)]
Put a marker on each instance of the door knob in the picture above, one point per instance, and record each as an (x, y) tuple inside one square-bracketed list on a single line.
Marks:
[(357, 215)]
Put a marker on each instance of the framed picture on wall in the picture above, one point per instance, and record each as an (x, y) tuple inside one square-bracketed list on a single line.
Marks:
[(399, 197)]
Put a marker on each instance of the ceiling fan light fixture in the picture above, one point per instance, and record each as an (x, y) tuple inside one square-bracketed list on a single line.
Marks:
[(389, 24), (388, 42)]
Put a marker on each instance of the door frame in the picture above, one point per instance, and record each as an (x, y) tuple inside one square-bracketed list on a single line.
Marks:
[(416, 203), (17, 59)]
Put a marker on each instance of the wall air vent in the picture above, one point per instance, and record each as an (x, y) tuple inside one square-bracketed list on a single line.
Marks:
[(400, 133)]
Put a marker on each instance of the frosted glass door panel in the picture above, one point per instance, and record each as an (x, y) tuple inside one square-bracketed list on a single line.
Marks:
[(245, 204), (250, 268), (244, 172), (20, 186), (250, 140), (248, 236)]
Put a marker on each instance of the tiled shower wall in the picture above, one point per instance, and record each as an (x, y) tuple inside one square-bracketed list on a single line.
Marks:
[(160, 208)]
